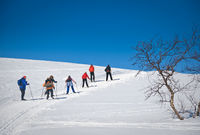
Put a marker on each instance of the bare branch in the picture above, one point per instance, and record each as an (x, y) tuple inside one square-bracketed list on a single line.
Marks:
[(163, 57)]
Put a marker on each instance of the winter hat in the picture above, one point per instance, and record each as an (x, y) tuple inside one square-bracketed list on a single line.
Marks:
[(24, 77)]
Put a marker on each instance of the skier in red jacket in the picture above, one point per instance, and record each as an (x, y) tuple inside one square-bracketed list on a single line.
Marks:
[(92, 76), (84, 77)]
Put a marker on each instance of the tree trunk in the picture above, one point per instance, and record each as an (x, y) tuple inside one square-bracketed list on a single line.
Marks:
[(198, 110), (173, 107), (172, 99)]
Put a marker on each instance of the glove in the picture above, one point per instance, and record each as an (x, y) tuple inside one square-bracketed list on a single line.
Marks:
[(28, 84), (55, 81)]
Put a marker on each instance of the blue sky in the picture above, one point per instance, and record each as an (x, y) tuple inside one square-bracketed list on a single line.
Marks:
[(98, 32)]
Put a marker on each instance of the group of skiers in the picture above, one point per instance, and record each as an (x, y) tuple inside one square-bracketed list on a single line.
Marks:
[(49, 82)]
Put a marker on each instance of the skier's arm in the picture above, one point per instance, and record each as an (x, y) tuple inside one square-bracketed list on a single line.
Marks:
[(73, 81), (106, 69), (26, 83), (54, 81), (88, 77)]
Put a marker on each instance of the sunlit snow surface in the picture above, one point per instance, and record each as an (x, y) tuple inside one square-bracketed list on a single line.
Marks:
[(115, 107)]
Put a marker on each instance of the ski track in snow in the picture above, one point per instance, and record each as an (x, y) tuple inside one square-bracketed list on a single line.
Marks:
[(100, 108), (20, 115), (15, 112), (9, 125)]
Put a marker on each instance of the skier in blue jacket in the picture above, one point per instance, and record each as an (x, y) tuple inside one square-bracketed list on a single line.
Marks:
[(22, 86)]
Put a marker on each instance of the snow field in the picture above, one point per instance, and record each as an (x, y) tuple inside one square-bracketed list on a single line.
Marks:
[(114, 107)]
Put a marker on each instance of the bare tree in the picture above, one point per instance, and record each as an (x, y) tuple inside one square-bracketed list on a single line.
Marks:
[(195, 69), (194, 56), (163, 57)]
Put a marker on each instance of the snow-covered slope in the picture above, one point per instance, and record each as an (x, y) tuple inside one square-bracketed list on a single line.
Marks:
[(114, 107)]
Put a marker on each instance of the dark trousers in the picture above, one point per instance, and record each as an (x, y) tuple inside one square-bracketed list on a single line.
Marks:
[(22, 94), (72, 89), (108, 73), (85, 81), (92, 76), (47, 92)]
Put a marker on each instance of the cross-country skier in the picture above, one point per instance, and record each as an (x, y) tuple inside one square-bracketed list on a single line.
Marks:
[(22, 86), (84, 77), (69, 82), (49, 87), (92, 76), (108, 72)]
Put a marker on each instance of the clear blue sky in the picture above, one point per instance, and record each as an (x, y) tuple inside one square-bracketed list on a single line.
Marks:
[(98, 32)]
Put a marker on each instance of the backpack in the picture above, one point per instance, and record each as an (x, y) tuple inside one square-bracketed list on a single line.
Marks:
[(19, 82), (48, 84)]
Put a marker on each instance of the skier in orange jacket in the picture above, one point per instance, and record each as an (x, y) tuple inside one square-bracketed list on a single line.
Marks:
[(92, 76), (49, 87)]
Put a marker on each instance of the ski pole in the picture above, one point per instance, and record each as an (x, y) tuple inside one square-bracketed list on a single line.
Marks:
[(95, 85), (56, 90), (65, 87), (30, 91), (42, 92), (77, 87)]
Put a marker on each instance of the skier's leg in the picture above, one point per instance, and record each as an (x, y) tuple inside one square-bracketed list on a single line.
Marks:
[(83, 83), (86, 82), (22, 94), (111, 76), (67, 90), (106, 76), (47, 94), (73, 89), (51, 93), (91, 76)]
